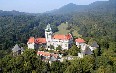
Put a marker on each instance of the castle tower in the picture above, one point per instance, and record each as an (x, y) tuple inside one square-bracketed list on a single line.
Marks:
[(48, 33)]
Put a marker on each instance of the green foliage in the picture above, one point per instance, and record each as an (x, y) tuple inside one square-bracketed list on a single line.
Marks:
[(112, 46), (103, 69), (57, 67), (75, 67), (59, 48), (74, 50), (30, 62), (51, 47), (88, 63), (27, 62), (18, 28), (102, 60), (42, 49), (97, 52), (91, 41), (97, 22)]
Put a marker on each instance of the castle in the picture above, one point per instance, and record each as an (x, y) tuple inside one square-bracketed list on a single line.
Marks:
[(65, 41)]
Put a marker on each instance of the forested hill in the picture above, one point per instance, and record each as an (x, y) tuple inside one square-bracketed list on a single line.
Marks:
[(3, 13), (94, 22), (99, 6), (97, 20), (18, 28), (13, 12)]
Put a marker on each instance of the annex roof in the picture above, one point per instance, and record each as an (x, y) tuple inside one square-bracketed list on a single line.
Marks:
[(31, 40), (37, 40), (40, 40), (94, 44), (79, 40), (47, 54), (43, 53)]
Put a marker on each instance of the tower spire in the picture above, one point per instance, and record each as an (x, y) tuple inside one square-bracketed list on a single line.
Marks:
[(48, 35), (48, 28)]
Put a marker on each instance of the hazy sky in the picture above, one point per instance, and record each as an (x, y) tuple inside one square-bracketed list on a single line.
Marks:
[(38, 6)]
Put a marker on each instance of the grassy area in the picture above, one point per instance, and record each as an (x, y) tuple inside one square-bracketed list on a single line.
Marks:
[(63, 30)]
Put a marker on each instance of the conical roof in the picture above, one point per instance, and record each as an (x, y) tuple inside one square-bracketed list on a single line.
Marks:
[(94, 44), (48, 27), (16, 48)]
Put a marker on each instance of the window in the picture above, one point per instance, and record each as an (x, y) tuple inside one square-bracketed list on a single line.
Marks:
[(65, 45)]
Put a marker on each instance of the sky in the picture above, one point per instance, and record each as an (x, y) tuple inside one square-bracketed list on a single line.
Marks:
[(39, 6)]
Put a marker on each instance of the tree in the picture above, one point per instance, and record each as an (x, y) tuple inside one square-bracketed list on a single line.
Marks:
[(96, 52), (57, 67), (41, 49), (51, 47), (112, 46), (101, 61), (74, 50), (32, 62), (74, 67), (27, 62), (107, 69), (88, 63), (114, 66), (59, 48)]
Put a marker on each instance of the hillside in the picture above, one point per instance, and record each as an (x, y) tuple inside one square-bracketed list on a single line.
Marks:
[(64, 28), (94, 23), (99, 6), (89, 21)]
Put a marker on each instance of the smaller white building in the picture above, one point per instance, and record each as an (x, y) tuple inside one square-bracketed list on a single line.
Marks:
[(79, 42), (85, 49), (31, 43), (34, 43)]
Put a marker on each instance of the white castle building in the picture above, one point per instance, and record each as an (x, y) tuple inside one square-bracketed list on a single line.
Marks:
[(65, 41)]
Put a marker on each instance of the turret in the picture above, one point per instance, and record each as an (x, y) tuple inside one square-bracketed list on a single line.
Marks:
[(48, 33)]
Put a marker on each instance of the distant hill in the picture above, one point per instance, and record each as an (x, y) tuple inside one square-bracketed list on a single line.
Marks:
[(10, 13), (103, 6), (69, 8), (7, 13), (98, 6), (95, 20)]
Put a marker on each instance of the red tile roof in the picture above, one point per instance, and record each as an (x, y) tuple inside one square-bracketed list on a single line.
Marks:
[(62, 37), (37, 40), (43, 53), (55, 55), (40, 40), (79, 40), (46, 54), (31, 40)]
